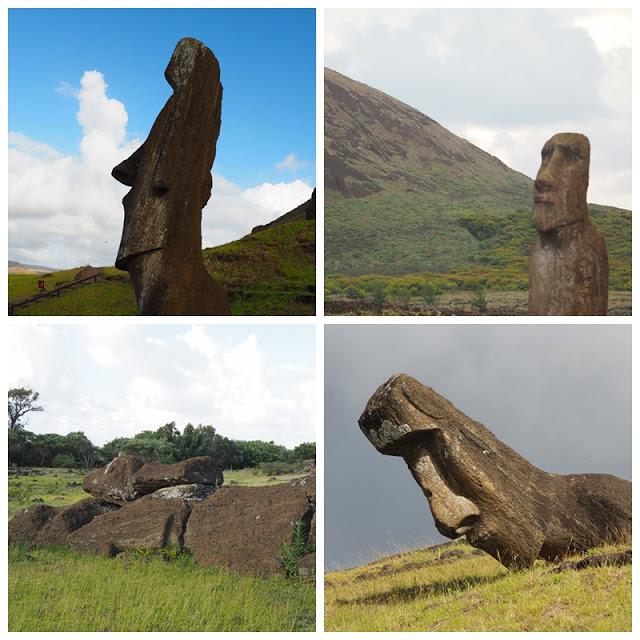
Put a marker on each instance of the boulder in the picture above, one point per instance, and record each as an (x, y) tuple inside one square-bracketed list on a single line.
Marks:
[(127, 478), (480, 488), (154, 476), (307, 567), (245, 528), (69, 519), (147, 523), (115, 481), (26, 524)]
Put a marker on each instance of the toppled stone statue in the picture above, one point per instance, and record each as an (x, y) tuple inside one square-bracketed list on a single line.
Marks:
[(170, 180), (568, 265), (480, 488)]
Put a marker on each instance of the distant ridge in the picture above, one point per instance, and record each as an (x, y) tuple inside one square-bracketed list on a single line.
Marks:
[(19, 267)]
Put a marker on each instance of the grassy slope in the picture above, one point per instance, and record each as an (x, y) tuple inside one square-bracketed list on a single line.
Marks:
[(271, 272), (442, 206), (54, 589), (415, 592)]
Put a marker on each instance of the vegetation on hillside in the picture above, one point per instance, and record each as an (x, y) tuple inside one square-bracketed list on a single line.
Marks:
[(271, 272), (405, 197), (458, 588)]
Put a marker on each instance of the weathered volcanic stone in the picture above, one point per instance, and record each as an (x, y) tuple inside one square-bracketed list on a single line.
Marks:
[(26, 524), (127, 478), (146, 523), (115, 481), (190, 492), (199, 470), (478, 487), (69, 519), (245, 528), (568, 264), (170, 180)]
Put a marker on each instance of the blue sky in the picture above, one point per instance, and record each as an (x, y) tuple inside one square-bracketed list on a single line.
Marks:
[(249, 381), (81, 75), (267, 60)]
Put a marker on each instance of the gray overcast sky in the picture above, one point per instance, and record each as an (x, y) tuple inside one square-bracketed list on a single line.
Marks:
[(505, 79), (558, 394), (110, 380)]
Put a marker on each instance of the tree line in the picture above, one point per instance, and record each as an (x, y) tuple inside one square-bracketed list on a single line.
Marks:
[(166, 444)]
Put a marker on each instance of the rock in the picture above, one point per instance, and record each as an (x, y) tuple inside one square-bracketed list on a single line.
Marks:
[(615, 559), (245, 528), (126, 478), (307, 567), (190, 492), (568, 264), (480, 488), (146, 523), (69, 519), (26, 524), (170, 180), (115, 481)]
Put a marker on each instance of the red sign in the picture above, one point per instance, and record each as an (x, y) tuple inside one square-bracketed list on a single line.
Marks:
[(40, 284)]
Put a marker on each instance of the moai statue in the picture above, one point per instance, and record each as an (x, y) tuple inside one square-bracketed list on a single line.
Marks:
[(478, 487), (170, 180), (568, 265)]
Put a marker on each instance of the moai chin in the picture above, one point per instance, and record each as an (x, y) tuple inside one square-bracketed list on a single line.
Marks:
[(170, 180), (478, 487), (568, 265)]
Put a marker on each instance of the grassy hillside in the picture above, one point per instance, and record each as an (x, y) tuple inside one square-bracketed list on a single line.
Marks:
[(271, 272), (55, 589), (404, 196), (457, 588)]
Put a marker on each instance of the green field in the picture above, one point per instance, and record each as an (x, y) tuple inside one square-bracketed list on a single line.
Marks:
[(424, 591), (55, 589), (271, 272)]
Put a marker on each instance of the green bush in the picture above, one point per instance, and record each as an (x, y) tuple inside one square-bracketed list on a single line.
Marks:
[(64, 460), (292, 552)]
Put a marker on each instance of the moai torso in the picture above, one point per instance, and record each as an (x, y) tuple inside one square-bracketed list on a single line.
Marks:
[(568, 265)]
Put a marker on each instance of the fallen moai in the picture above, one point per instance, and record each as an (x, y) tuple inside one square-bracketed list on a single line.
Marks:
[(568, 264), (170, 180), (480, 488), (182, 506), (127, 478)]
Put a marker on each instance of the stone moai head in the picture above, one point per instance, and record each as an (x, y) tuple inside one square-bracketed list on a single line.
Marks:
[(560, 188), (474, 483), (170, 174)]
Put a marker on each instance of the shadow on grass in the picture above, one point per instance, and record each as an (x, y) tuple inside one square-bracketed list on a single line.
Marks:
[(407, 594)]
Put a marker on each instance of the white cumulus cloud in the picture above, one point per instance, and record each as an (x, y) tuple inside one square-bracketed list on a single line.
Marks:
[(66, 210), (291, 163)]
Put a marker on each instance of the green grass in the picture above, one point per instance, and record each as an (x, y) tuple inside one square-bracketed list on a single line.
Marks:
[(415, 592), (54, 589), (271, 272)]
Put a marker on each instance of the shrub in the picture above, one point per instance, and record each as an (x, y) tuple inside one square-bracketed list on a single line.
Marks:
[(64, 460), (292, 552)]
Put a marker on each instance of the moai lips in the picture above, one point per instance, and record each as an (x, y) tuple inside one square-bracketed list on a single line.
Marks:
[(170, 180), (568, 265), (479, 487)]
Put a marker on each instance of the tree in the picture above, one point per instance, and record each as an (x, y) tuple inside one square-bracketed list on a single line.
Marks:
[(21, 402)]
